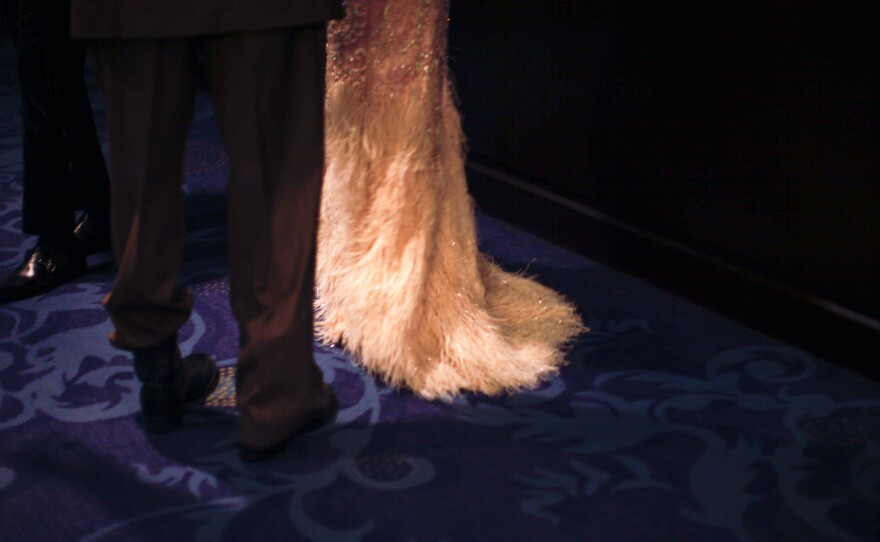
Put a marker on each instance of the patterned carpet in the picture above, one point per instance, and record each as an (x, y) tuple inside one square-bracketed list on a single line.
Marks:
[(670, 424)]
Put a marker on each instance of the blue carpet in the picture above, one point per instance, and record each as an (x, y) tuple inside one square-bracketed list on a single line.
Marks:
[(670, 424)]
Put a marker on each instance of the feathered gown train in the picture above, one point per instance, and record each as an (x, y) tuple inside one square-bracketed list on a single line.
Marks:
[(400, 282)]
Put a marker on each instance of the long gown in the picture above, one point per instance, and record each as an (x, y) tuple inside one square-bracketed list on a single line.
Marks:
[(400, 282)]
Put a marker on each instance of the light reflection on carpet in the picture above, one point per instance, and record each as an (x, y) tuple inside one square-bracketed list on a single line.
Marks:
[(224, 395)]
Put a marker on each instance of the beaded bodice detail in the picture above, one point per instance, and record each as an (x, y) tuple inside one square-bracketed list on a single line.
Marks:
[(381, 45)]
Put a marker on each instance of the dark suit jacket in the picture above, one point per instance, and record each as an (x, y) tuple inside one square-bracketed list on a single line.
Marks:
[(176, 18)]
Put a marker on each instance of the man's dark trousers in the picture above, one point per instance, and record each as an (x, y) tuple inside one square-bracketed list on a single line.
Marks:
[(268, 93), (64, 169)]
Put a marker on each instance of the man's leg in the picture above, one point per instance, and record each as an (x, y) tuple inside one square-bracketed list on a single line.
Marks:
[(268, 90), (149, 92), (63, 165), (149, 89)]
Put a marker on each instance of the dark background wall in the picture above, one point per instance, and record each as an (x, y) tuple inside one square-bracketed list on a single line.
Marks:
[(747, 129)]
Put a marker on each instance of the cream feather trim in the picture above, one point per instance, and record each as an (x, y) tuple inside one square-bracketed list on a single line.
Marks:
[(400, 282)]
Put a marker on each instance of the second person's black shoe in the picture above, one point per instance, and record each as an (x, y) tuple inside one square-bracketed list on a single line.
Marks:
[(45, 268)]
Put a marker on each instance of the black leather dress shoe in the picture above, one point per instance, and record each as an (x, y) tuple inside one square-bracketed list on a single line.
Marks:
[(169, 382), (323, 412), (201, 377), (44, 269), (93, 234)]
